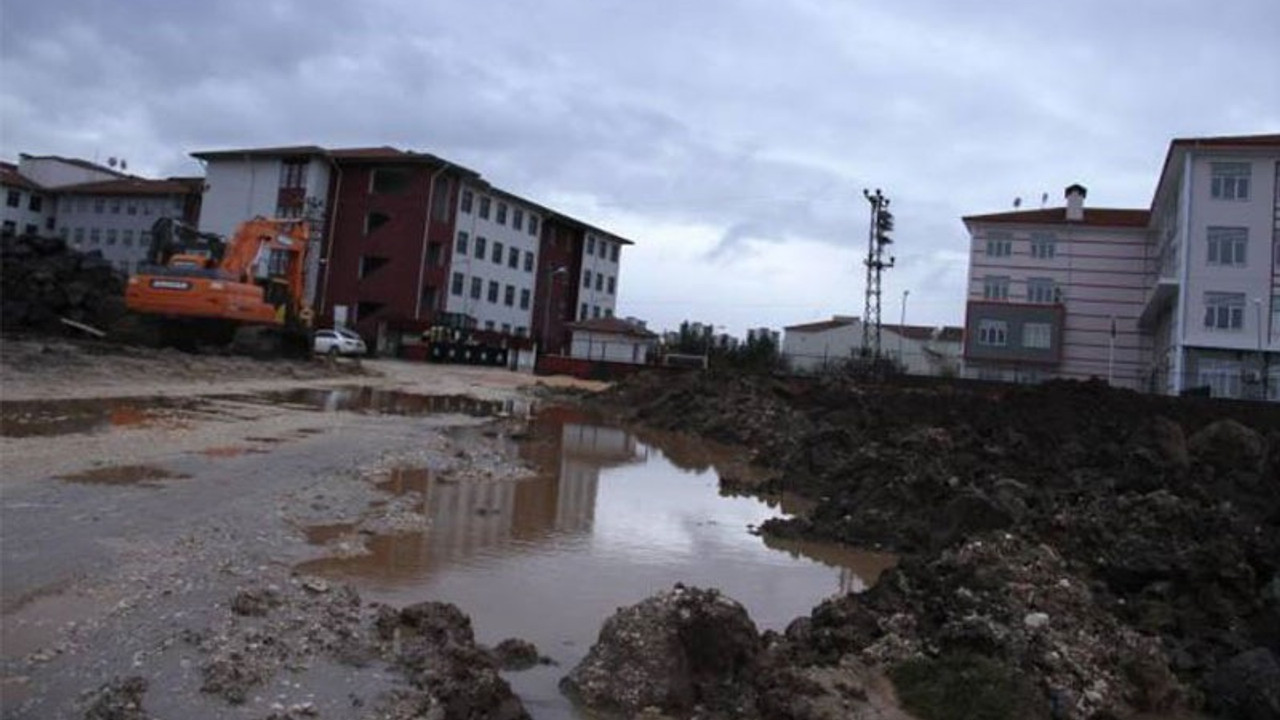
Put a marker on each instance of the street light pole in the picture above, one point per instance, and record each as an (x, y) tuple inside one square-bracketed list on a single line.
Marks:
[(902, 325)]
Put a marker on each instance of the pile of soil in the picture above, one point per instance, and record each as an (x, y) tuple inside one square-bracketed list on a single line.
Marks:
[(1163, 512), (43, 280)]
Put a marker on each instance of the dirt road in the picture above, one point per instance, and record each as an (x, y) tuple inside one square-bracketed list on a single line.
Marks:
[(143, 492)]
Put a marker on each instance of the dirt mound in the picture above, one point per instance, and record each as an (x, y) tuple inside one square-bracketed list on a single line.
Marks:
[(676, 650), (118, 700), (1167, 510), (42, 280)]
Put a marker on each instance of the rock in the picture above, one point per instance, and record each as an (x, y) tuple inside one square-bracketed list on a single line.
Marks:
[(516, 654), (315, 585), (676, 650), (1247, 687), (255, 602), (118, 700), (1228, 447), (1035, 620)]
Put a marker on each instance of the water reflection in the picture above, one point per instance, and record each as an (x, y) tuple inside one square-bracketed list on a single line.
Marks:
[(39, 418), (608, 521), (373, 400)]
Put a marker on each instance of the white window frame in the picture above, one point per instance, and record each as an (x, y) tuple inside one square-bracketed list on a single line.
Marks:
[(1042, 291), (1230, 180), (1044, 246), (1227, 246), (1037, 336), (999, 246), (1224, 312), (995, 287), (993, 333), (1222, 377)]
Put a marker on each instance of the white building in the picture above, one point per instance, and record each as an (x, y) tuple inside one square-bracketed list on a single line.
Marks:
[(813, 347), (1211, 302), (598, 279), (611, 340), (494, 268), (28, 207), (115, 216), (924, 350)]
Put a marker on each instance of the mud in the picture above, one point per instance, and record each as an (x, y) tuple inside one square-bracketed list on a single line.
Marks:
[(1146, 529), (143, 475)]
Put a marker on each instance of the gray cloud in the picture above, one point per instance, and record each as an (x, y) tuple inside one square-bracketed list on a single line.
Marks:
[(762, 119)]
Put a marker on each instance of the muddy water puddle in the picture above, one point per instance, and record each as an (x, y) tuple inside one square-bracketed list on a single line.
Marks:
[(34, 418), (144, 475), (380, 401), (608, 521)]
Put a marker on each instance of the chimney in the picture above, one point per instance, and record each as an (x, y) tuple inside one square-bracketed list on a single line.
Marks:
[(1075, 202)]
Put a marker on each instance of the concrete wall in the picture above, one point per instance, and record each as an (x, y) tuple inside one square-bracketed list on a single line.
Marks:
[(809, 351), (609, 347), (52, 172), (238, 190), (597, 270)]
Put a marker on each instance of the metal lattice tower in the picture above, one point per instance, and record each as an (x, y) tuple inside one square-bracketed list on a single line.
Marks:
[(877, 238)]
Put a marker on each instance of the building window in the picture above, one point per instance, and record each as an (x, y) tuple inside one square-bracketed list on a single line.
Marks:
[(586, 279), (506, 328), (517, 218), (458, 282), (497, 253), (1043, 247), (995, 287), (1042, 290), (513, 258), (375, 220), (1222, 377), (509, 296), (467, 197), (613, 252), (1230, 180), (389, 181), (31, 230), (480, 247), (533, 224), (599, 282), (999, 246), (48, 223), (582, 313), (1224, 311), (35, 203), (9, 228), (293, 173), (64, 233), (146, 208), (132, 209), (95, 236), (612, 285), (484, 207), (98, 205), (126, 238), (477, 286), (115, 206), (501, 217), (528, 261), (595, 311), (144, 238), (79, 236), (522, 331), (591, 244), (1227, 246), (14, 198), (1037, 336), (604, 250), (493, 291), (111, 236), (993, 332), (462, 243), (525, 296)]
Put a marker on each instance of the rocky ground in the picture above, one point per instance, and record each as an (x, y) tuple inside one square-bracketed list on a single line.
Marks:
[(1070, 551)]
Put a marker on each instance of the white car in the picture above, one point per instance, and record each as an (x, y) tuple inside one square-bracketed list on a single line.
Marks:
[(338, 341)]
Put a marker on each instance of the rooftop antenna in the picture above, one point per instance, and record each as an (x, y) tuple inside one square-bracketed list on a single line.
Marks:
[(1017, 203), (1044, 199), (111, 161)]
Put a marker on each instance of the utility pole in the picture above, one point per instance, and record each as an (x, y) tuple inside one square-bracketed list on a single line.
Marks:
[(878, 237)]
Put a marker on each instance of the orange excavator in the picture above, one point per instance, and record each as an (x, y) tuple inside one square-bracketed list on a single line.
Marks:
[(198, 289)]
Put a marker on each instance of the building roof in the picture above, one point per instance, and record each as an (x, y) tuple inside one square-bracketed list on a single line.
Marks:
[(1178, 146), (612, 326), (289, 150), (821, 326), (136, 186), (926, 332), (10, 176), (1097, 217), (76, 162)]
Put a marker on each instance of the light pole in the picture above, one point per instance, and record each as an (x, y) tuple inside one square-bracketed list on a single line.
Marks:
[(902, 324), (1262, 369), (546, 308)]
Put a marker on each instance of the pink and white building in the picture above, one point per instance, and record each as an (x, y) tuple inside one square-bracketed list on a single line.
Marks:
[(1183, 296)]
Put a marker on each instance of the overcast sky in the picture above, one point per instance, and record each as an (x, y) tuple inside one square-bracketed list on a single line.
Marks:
[(731, 139)]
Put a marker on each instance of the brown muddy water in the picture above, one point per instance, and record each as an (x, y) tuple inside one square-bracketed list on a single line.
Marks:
[(608, 521)]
